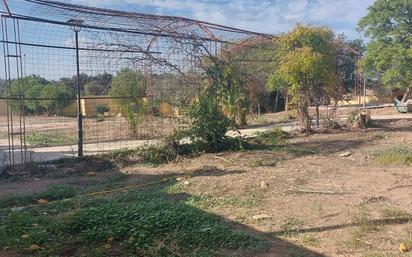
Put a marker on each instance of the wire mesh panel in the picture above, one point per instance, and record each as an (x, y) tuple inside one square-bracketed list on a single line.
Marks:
[(137, 74)]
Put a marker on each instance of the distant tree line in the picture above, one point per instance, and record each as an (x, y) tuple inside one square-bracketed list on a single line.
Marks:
[(43, 96), (50, 97), (90, 85)]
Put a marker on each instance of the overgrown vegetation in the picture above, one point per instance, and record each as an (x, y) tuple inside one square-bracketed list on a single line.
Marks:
[(146, 223), (155, 221), (155, 155), (227, 85), (309, 240), (208, 125), (393, 212)]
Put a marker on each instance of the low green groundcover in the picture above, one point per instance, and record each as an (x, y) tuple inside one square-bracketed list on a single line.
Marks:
[(145, 223)]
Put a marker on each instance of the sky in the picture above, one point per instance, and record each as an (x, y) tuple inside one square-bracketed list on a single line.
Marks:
[(267, 16)]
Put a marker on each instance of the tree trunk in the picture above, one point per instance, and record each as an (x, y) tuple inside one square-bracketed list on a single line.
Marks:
[(317, 115), (303, 109), (276, 101), (287, 106), (406, 95)]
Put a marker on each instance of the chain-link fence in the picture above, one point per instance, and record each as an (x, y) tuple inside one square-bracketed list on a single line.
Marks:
[(136, 74)]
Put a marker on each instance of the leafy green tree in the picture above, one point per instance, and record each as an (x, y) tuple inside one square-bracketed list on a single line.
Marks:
[(30, 87), (388, 58), (254, 59), (33, 91), (347, 62), (174, 89), (90, 85), (104, 79), (276, 83), (225, 82), (307, 68), (128, 84), (208, 124), (59, 96), (93, 88), (130, 88), (72, 81), (56, 96)]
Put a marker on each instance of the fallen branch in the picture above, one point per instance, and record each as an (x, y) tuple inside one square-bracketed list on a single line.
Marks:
[(306, 191), (398, 187), (276, 193), (365, 242), (223, 159)]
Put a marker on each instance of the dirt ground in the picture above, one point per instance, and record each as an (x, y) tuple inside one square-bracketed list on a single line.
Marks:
[(317, 198)]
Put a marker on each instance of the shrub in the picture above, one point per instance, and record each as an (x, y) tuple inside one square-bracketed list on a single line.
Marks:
[(132, 119), (156, 155), (272, 137), (134, 113), (101, 109), (208, 124)]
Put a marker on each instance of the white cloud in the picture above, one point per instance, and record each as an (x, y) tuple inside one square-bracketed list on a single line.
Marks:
[(270, 16)]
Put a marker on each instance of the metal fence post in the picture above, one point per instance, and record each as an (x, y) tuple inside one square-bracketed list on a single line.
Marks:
[(76, 26)]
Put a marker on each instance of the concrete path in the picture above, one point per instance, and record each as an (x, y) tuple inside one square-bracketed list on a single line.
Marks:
[(400, 116), (40, 154)]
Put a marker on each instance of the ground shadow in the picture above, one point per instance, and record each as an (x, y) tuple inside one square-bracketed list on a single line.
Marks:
[(332, 146), (376, 222), (276, 247), (395, 125)]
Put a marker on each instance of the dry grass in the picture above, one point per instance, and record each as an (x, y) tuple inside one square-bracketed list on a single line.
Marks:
[(396, 155)]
